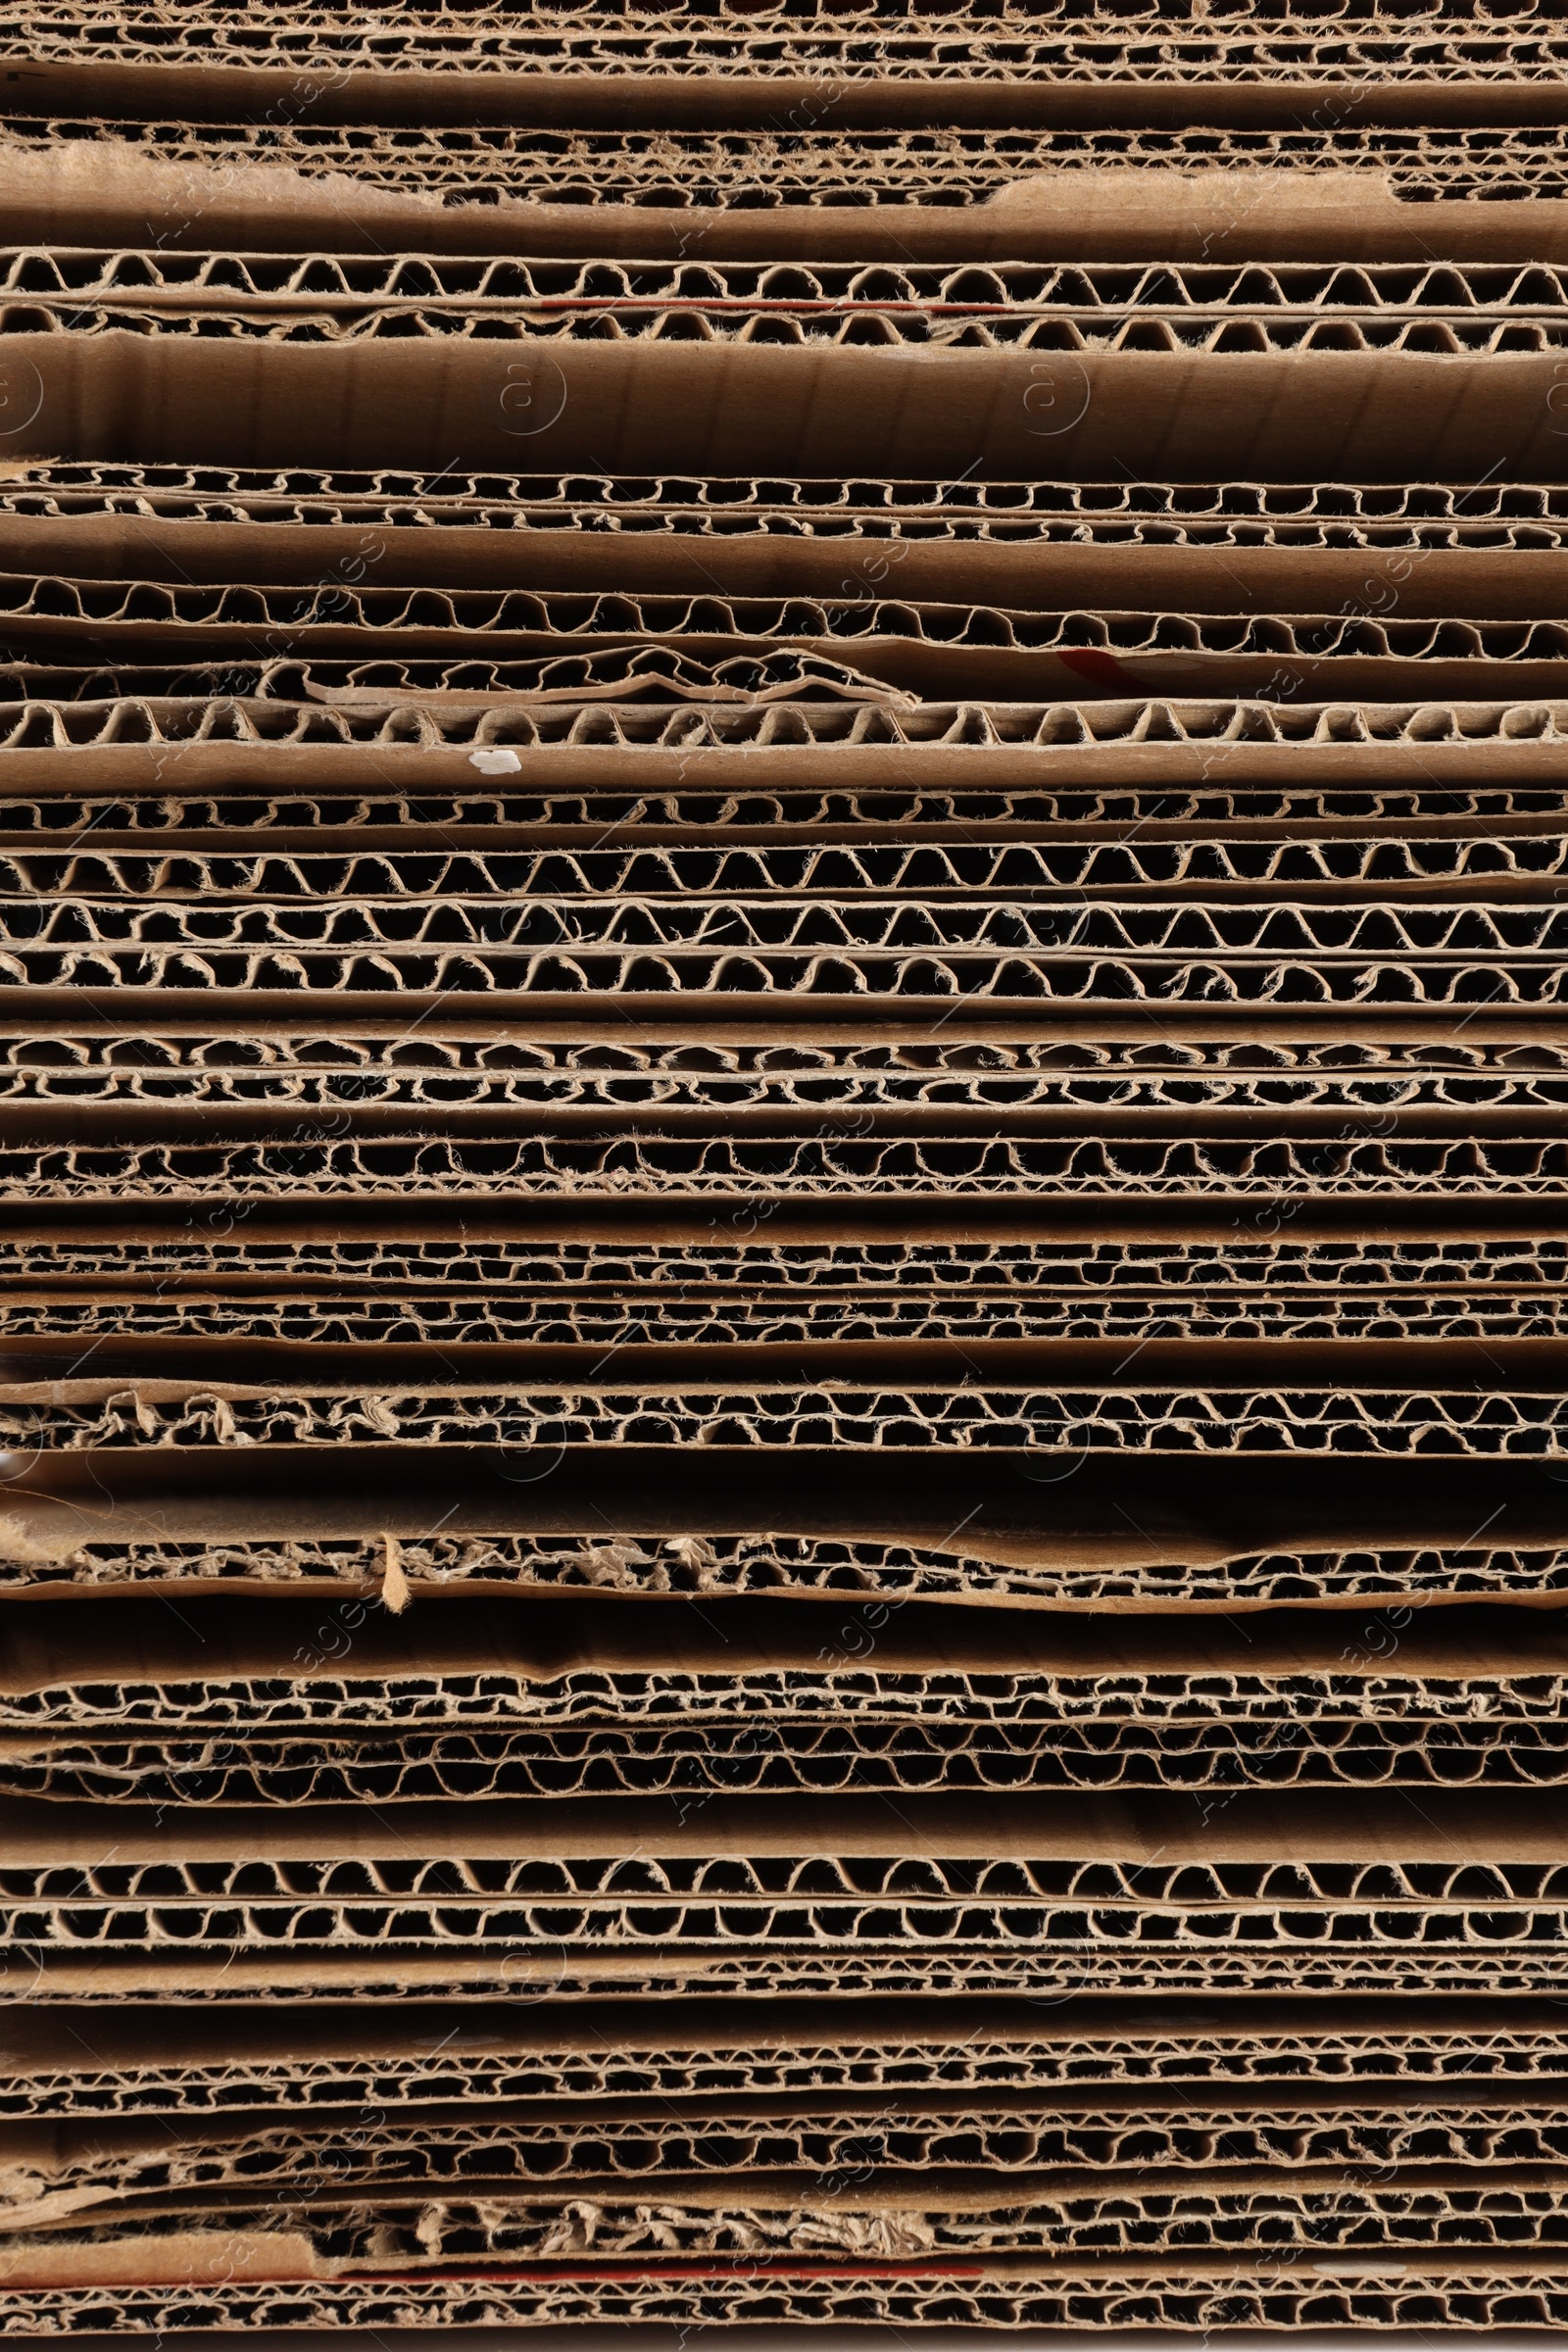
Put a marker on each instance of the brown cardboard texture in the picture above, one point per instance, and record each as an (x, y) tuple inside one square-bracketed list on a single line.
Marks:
[(782, 1116)]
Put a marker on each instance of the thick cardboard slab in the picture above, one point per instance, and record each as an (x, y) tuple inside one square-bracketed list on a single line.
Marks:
[(1226, 513), (208, 2061), (1514, 583), (145, 2170), (1201, 306), (912, 171), (1382, 416), (84, 192), (545, 78), (756, 1701)]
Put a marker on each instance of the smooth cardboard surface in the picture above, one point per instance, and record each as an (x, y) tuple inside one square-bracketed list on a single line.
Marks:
[(1379, 417)]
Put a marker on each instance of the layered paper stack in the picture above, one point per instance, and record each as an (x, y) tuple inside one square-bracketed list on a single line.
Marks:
[(783, 1409)]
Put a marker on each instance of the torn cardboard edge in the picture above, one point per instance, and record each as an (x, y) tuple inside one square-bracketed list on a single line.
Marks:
[(127, 2194), (820, 2254), (1060, 1429)]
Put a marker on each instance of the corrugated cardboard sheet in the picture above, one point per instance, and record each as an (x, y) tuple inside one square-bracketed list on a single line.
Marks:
[(783, 1133)]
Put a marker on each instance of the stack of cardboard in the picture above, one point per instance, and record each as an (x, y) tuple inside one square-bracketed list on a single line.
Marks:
[(783, 1392)]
